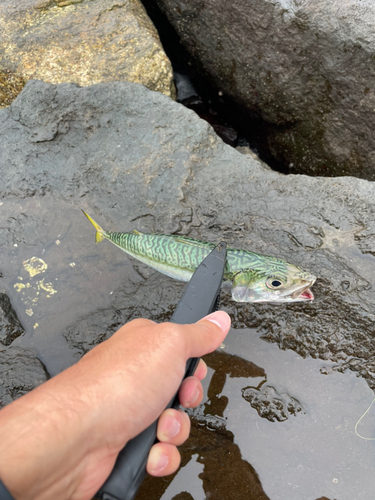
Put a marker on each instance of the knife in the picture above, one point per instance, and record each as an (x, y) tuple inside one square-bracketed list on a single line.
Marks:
[(200, 298)]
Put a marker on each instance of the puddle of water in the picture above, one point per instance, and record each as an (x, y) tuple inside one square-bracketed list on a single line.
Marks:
[(312, 454), (304, 446), (188, 482)]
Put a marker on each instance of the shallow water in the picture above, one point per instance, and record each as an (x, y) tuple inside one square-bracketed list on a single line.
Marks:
[(311, 452)]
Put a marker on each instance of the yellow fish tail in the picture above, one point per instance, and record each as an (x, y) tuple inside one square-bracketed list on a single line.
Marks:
[(100, 234)]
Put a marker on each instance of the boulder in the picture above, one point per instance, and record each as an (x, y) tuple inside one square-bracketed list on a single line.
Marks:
[(304, 68), (135, 159), (81, 41)]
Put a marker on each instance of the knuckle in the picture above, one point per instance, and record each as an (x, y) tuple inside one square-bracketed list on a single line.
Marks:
[(141, 322), (171, 333)]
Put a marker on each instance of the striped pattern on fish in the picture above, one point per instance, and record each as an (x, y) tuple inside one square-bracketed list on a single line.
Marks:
[(254, 277)]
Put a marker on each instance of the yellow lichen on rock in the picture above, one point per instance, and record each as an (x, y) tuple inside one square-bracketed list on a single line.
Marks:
[(10, 86), (34, 266), (19, 286), (46, 287)]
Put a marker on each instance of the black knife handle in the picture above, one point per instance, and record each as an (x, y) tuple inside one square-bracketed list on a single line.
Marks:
[(130, 466), (4, 493), (198, 300)]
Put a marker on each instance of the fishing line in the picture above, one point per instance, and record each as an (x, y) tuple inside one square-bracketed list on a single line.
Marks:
[(356, 425)]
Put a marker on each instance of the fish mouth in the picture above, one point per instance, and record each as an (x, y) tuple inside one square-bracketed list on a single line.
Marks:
[(304, 294)]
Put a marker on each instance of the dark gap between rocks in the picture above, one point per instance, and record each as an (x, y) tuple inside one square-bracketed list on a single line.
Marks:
[(233, 125)]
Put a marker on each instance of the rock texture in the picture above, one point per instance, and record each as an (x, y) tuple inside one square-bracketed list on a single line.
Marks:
[(305, 67), (157, 167), (80, 41), (20, 372), (271, 405), (10, 326)]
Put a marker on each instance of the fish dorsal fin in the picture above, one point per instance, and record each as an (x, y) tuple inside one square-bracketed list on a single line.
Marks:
[(181, 239), (192, 242), (136, 232)]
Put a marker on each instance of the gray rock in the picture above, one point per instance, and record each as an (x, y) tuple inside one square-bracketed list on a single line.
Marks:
[(20, 372), (305, 67), (10, 326), (184, 86), (135, 159), (80, 41), (271, 405)]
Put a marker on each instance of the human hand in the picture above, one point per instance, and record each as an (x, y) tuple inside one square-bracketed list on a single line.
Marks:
[(62, 439)]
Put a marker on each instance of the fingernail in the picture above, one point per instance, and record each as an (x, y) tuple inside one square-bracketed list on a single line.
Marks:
[(172, 426), (193, 398), (157, 461), (220, 318)]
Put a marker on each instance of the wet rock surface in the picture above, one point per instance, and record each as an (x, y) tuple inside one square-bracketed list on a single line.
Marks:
[(304, 68), (10, 326), (128, 302), (135, 159), (65, 146), (82, 41), (271, 405), (20, 372)]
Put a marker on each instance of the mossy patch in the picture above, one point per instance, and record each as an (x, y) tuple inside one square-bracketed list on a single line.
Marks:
[(10, 86)]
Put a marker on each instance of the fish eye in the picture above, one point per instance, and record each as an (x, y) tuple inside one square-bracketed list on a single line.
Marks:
[(274, 282)]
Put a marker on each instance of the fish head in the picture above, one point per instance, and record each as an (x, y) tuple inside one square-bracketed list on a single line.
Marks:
[(284, 283)]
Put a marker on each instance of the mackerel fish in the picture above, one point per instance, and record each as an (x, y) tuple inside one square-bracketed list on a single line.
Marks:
[(253, 277)]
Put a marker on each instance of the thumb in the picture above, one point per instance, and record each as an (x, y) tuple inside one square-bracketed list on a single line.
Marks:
[(207, 334)]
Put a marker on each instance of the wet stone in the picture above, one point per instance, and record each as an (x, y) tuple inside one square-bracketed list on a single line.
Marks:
[(366, 239), (93, 329), (10, 326), (129, 303), (20, 372), (108, 147), (271, 405)]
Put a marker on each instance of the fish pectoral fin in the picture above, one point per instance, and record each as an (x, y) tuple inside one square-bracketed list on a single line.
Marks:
[(241, 282), (241, 293)]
